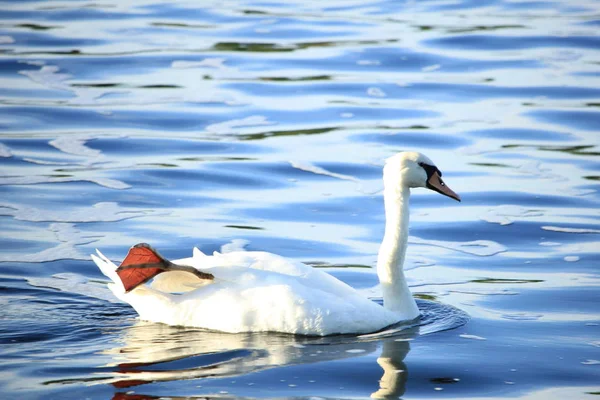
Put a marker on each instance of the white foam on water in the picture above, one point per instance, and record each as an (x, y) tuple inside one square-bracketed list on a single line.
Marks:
[(99, 212), (569, 230), (68, 233), (507, 214), (109, 183), (478, 148), (5, 151), (368, 62), (75, 145), (45, 162), (536, 169), (550, 244), (32, 180), (215, 62), (561, 181), (62, 251), (411, 263), (4, 39), (375, 92), (48, 76), (212, 97), (431, 68), (474, 337), (522, 316), (591, 362), (74, 283), (68, 237), (37, 63), (571, 258), (308, 167), (230, 126), (366, 187), (482, 248)]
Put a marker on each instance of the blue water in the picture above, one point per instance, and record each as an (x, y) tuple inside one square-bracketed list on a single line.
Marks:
[(187, 124)]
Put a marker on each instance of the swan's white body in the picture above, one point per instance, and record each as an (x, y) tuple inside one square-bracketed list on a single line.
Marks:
[(258, 291), (253, 291)]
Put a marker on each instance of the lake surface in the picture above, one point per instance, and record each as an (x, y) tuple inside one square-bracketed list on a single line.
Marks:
[(266, 124)]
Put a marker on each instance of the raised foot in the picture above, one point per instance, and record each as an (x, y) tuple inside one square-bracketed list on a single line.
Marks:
[(143, 263)]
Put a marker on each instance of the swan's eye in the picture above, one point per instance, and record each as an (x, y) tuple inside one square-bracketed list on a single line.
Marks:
[(442, 183)]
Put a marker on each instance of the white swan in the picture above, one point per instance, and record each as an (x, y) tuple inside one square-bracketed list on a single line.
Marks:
[(257, 291)]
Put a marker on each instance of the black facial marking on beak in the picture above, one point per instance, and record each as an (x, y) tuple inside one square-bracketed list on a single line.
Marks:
[(430, 170), (435, 182)]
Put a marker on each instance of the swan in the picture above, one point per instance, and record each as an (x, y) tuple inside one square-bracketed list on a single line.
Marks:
[(252, 291)]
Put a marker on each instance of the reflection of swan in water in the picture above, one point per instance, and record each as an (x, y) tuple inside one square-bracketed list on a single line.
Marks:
[(263, 292), (156, 352), (395, 372)]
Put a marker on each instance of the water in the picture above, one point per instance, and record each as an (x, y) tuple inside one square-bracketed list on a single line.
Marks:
[(183, 125)]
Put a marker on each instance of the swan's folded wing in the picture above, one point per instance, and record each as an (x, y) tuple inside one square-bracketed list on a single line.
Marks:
[(178, 282)]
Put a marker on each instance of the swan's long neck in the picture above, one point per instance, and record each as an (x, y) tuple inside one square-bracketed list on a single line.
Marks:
[(396, 294)]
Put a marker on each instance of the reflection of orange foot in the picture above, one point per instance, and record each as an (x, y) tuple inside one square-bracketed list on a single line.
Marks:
[(133, 396)]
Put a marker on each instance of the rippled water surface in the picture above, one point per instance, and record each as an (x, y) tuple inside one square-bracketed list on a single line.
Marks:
[(188, 124)]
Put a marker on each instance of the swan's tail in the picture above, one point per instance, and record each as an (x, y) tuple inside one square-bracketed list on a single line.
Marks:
[(109, 269)]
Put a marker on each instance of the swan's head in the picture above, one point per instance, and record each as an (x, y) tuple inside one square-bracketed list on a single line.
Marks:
[(413, 170)]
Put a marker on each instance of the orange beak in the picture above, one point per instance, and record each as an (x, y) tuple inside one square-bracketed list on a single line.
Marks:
[(436, 183)]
